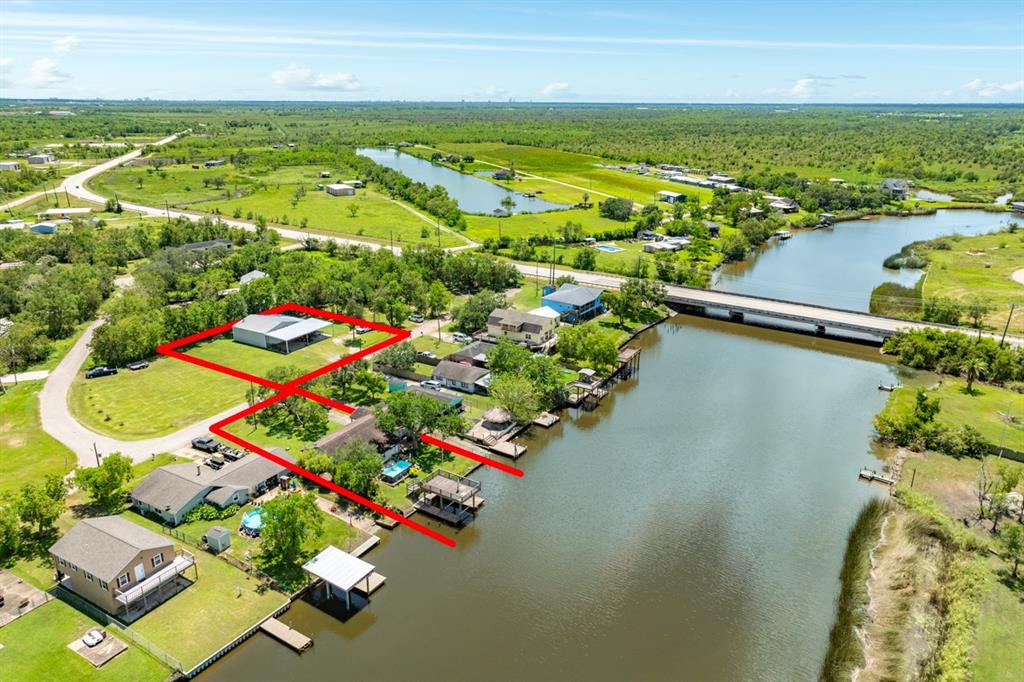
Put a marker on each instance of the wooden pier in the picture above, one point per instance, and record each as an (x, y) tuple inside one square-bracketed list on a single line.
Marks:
[(546, 419), (373, 583), (284, 634), (449, 497), (871, 475)]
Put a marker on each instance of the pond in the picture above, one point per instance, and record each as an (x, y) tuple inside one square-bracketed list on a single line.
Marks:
[(473, 194), (839, 266)]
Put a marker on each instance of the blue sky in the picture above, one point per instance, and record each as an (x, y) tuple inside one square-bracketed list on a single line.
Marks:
[(820, 51)]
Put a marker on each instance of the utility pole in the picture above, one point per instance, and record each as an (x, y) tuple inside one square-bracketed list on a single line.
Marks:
[(392, 237), (66, 197), (438, 221), (96, 452), (167, 210), (1007, 327)]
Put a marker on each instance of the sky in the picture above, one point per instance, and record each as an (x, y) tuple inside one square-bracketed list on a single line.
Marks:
[(436, 50)]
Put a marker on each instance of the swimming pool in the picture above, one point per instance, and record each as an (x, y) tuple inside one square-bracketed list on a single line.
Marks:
[(397, 471), (252, 520), (608, 248)]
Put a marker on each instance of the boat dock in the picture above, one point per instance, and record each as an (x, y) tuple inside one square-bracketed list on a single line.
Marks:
[(286, 635), (373, 583), (546, 419), (447, 496), (871, 475)]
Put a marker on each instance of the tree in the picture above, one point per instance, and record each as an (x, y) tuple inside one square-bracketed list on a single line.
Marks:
[(974, 368), (10, 529), (473, 315), (416, 414), (353, 210), (357, 467), (517, 394), (622, 306), (289, 521), (374, 384), (508, 203), (105, 483), (1013, 545), (399, 356), (587, 343), (41, 505), (976, 310), (295, 415), (571, 232), (616, 208), (734, 247), (438, 298), (585, 259)]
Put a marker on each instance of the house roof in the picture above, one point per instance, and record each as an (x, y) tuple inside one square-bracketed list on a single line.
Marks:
[(281, 327), (252, 276), (477, 350), (440, 396), (338, 568), (106, 545), (457, 371), (362, 427), (545, 311), (527, 322), (895, 183), (339, 185), (574, 294)]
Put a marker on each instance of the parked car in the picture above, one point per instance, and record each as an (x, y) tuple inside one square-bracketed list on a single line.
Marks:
[(93, 637), (101, 371), (363, 330), (431, 383), (427, 355), (206, 444), (135, 366), (462, 338), (416, 317)]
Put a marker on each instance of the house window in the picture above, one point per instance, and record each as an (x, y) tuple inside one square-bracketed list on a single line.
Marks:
[(158, 559), (73, 567), (88, 576), (122, 580), (61, 562), (104, 585)]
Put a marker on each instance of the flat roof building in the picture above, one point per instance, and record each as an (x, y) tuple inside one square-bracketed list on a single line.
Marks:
[(340, 189), (279, 332)]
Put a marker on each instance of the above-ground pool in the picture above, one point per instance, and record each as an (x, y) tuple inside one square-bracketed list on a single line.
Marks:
[(252, 520), (608, 248), (396, 471)]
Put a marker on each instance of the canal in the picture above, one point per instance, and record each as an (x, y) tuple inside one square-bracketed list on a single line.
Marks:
[(473, 194), (840, 265), (692, 526)]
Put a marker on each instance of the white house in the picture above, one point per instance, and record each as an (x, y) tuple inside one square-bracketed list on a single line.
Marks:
[(534, 328), (42, 158), (10, 165)]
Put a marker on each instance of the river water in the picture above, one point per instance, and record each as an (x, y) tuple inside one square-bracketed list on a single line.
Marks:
[(839, 266), (691, 527), (474, 195)]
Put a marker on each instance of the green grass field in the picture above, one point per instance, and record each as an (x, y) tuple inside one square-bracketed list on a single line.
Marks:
[(982, 410), (1000, 643), (29, 453), (35, 647), (980, 266), (525, 225), (172, 394)]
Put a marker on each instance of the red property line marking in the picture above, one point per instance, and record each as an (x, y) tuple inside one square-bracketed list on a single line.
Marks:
[(500, 466), (294, 387)]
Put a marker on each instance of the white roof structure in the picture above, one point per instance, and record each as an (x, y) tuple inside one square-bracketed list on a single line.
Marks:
[(282, 327), (338, 568), (545, 311), (66, 211), (667, 193)]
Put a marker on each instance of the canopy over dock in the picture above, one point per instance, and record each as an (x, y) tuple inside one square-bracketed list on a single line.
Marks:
[(343, 572)]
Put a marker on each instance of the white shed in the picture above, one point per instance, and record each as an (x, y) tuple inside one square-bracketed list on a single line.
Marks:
[(340, 571), (339, 189)]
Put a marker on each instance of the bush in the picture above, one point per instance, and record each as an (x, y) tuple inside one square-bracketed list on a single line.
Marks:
[(616, 209), (208, 512)]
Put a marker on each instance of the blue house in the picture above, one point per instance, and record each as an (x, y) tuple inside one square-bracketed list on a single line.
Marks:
[(573, 302)]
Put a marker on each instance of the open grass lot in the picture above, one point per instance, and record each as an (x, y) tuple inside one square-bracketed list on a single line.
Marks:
[(524, 225), (172, 394), (34, 647), (431, 344), (1000, 643), (983, 409), (979, 266), (29, 453), (260, 435)]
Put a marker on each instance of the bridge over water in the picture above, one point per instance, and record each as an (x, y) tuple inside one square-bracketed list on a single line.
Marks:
[(817, 318)]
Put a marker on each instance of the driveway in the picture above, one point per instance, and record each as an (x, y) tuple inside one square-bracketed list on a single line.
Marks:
[(58, 421)]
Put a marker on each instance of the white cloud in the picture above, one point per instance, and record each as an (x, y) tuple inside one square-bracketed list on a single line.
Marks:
[(43, 74), (991, 89), (494, 92), (554, 90), (5, 64), (66, 44), (805, 87), (298, 78)]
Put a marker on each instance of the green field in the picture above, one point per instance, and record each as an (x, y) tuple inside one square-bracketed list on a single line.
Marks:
[(983, 410), (172, 394), (979, 266), (1000, 644), (35, 647), (29, 453), (524, 225), (271, 195)]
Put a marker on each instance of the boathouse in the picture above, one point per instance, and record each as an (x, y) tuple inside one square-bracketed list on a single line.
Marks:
[(342, 573)]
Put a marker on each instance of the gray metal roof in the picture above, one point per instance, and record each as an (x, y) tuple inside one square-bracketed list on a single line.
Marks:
[(106, 545), (172, 487), (252, 276), (281, 327), (477, 350), (527, 322), (574, 294), (362, 427), (457, 371)]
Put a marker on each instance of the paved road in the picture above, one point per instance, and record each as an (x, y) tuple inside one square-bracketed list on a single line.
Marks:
[(34, 375), (60, 423), (753, 305)]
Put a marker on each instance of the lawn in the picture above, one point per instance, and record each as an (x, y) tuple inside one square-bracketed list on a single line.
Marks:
[(523, 225), (979, 266), (430, 344), (982, 410), (34, 647), (29, 453), (259, 435), (172, 394), (397, 496), (1000, 643)]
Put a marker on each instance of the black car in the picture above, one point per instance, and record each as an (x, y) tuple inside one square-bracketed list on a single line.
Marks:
[(101, 371), (205, 443), (135, 366)]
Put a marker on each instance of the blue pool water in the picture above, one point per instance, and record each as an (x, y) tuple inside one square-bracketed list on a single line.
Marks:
[(609, 248), (253, 520), (397, 469)]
